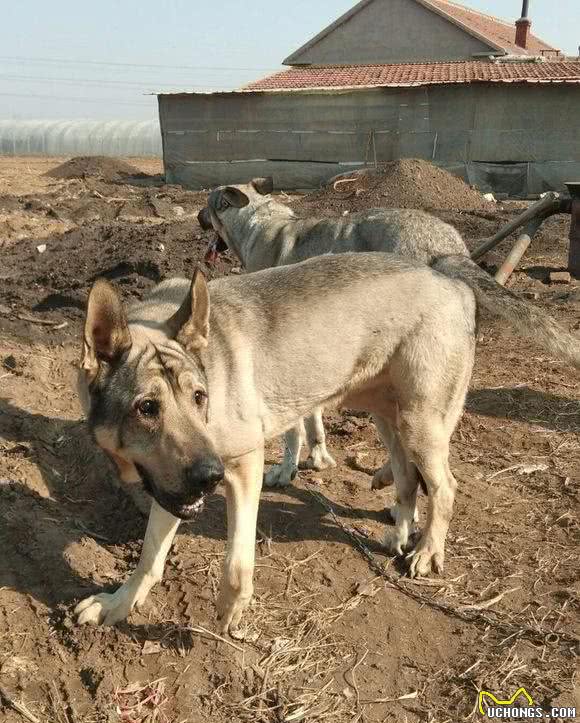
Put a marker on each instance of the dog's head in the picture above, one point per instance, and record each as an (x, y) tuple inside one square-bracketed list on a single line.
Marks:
[(223, 205), (147, 397)]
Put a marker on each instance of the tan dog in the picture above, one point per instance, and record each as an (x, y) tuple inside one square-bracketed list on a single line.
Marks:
[(184, 389), (263, 232)]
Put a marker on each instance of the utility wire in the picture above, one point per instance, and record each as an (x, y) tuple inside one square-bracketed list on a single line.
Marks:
[(68, 61), (109, 101), (102, 81)]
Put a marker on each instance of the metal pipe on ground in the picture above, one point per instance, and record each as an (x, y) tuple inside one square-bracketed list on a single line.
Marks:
[(574, 253), (543, 208), (518, 250)]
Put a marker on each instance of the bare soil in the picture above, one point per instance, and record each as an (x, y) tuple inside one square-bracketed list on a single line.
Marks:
[(109, 169), (405, 183), (327, 638)]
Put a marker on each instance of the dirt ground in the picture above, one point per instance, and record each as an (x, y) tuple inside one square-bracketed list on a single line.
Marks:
[(330, 636)]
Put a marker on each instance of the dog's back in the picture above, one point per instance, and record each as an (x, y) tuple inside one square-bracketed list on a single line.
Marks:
[(408, 232)]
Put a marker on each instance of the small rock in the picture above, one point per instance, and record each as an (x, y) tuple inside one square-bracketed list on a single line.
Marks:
[(236, 270), (179, 210), (4, 310), (160, 247), (560, 277), (365, 589), (489, 197), (150, 648), (41, 249), (10, 363)]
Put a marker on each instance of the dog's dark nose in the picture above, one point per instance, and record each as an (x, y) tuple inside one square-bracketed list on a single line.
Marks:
[(204, 474), (204, 219)]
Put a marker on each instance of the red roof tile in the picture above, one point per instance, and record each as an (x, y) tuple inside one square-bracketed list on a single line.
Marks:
[(407, 74), (499, 32)]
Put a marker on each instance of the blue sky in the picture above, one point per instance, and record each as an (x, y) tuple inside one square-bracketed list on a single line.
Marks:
[(71, 59)]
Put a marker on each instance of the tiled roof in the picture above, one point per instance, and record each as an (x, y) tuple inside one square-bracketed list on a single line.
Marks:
[(499, 32), (407, 74)]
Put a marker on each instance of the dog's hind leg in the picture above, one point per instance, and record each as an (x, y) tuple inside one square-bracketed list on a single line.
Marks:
[(425, 435), (405, 471), (243, 482), (406, 479), (109, 609), (383, 477), (433, 461), (319, 457), (282, 475)]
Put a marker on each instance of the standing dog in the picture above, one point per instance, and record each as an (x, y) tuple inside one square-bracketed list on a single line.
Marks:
[(184, 390), (262, 233)]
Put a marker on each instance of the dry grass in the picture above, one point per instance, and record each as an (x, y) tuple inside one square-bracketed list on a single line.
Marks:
[(299, 657), (139, 702)]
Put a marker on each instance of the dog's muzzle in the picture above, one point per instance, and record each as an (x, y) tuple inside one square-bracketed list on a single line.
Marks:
[(198, 481), (203, 476)]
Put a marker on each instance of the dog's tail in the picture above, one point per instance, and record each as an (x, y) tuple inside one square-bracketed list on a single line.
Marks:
[(527, 319)]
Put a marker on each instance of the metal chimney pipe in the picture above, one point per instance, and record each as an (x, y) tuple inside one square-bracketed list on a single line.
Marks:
[(525, 7), (523, 26)]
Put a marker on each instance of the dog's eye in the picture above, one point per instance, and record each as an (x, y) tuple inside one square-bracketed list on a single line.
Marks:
[(199, 397), (148, 407), (224, 203)]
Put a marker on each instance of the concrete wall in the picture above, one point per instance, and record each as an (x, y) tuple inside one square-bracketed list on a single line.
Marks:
[(393, 31), (302, 139)]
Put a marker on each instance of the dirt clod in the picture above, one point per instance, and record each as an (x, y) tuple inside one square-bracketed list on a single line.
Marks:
[(109, 169), (407, 183), (560, 277)]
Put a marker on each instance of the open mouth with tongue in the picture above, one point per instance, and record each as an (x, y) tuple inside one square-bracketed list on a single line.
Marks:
[(217, 246)]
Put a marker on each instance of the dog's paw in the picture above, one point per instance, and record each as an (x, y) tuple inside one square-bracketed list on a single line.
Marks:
[(280, 475), (383, 477), (104, 609), (319, 459), (231, 606), (426, 558)]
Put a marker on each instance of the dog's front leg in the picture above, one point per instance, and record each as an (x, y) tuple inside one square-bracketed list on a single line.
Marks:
[(243, 486), (108, 609), (282, 475), (319, 457)]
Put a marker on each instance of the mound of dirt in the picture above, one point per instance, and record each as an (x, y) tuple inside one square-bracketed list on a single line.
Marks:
[(134, 256), (407, 183), (109, 169)]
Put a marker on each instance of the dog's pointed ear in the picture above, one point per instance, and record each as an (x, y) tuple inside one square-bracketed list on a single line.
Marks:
[(204, 219), (189, 326), (106, 334), (234, 197), (263, 186)]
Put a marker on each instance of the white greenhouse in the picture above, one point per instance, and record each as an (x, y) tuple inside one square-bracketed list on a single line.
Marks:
[(80, 138)]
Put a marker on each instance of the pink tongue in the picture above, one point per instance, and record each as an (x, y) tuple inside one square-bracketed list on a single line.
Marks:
[(211, 256)]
